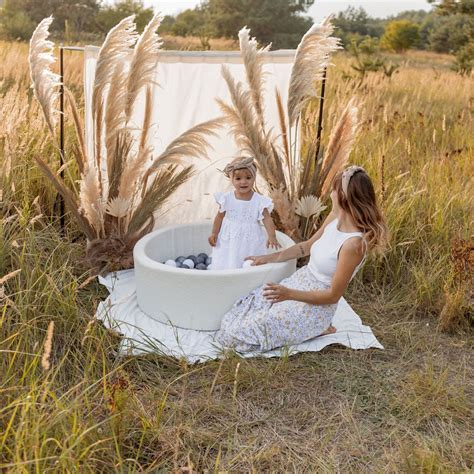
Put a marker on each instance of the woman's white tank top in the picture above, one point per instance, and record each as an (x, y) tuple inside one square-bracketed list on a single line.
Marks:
[(325, 252)]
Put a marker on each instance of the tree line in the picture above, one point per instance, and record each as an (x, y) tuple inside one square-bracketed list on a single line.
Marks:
[(447, 28)]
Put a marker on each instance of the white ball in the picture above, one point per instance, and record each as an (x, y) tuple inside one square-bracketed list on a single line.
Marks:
[(189, 263), (247, 263), (209, 267), (171, 263)]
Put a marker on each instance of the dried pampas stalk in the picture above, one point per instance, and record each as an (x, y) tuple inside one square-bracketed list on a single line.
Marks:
[(239, 128), (283, 128), (45, 82), (192, 143), (91, 200), (48, 344), (143, 64), (82, 154), (114, 113), (242, 116), (133, 167), (97, 163), (286, 213), (254, 70), (115, 49), (122, 155), (69, 198), (147, 118), (340, 144), (165, 183), (312, 56)]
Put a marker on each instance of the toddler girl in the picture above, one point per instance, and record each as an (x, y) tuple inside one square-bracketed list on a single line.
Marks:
[(237, 233)]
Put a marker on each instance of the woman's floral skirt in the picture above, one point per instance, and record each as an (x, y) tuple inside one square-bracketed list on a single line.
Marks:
[(253, 324)]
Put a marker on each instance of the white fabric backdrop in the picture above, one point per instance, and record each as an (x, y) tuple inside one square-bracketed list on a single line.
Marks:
[(187, 85)]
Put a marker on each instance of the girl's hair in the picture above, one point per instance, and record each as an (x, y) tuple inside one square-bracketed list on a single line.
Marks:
[(360, 202)]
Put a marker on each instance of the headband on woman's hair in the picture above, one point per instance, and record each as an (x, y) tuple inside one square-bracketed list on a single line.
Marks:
[(241, 164), (347, 175)]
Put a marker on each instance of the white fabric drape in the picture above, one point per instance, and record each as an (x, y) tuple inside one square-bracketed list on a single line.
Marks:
[(187, 85)]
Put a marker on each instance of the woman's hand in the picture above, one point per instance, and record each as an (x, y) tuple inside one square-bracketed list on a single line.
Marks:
[(212, 240), (276, 293), (273, 243), (259, 260)]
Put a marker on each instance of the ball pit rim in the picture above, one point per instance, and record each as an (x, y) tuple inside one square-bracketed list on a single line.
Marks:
[(139, 251)]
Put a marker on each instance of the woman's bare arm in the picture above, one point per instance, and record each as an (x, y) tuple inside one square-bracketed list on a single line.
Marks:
[(350, 255), (295, 251)]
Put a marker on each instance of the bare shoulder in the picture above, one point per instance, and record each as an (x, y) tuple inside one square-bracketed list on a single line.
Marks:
[(354, 247)]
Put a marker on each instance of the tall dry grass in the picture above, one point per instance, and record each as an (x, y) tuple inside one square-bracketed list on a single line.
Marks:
[(405, 409)]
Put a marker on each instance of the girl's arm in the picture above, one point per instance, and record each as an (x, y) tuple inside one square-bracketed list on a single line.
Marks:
[(216, 227), (271, 231), (350, 255), (295, 251)]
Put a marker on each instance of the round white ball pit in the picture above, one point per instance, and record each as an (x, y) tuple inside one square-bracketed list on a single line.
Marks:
[(194, 299)]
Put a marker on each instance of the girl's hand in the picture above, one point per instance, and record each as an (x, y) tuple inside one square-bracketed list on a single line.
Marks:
[(212, 240), (275, 293), (260, 260), (273, 243)]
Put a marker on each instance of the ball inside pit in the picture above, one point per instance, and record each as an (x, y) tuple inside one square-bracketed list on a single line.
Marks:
[(197, 262)]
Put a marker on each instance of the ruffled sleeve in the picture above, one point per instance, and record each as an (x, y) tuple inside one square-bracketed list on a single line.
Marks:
[(264, 202), (222, 200)]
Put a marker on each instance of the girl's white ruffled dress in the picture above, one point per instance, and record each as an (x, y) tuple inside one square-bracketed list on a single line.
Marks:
[(242, 233)]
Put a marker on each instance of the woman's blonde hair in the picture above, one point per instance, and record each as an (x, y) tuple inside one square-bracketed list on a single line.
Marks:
[(360, 202)]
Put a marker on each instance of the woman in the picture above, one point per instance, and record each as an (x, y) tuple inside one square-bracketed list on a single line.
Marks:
[(302, 306)]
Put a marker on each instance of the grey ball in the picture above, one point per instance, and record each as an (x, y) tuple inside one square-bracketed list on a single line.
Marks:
[(201, 266), (184, 266), (203, 255), (208, 261), (193, 258), (200, 259), (180, 259)]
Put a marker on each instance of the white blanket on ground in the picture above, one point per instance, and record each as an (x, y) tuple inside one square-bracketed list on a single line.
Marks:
[(143, 334)]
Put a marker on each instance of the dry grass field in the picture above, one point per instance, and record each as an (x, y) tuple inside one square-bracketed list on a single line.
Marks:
[(408, 408)]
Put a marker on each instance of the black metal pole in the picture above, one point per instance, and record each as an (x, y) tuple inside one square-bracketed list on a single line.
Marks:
[(320, 118), (61, 133)]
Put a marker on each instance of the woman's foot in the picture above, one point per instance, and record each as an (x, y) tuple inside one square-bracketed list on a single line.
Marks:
[(330, 330)]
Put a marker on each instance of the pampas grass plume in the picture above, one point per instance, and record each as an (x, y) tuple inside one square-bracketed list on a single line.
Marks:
[(48, 343), (45, 82)]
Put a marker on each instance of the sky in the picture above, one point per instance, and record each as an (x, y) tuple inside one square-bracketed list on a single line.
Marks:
[(320, 9)]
